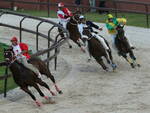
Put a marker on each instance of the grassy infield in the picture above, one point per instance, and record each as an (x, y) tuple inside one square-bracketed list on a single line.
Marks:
[(132, 19)]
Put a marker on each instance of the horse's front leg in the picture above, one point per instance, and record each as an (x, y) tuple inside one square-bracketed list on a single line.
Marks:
[(100, 61), (25, 89)]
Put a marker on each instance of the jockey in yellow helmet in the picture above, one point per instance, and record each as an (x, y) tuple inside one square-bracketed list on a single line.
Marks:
[(111, 24)]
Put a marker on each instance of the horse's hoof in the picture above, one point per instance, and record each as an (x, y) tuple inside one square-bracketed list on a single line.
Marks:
[(107, 69), (132, 65), (60, 92), (138, 65), (132, 47), (39, 104), (70, 46), (89, 60), (114, 66)]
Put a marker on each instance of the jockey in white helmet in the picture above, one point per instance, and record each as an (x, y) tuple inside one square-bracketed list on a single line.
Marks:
[(85, 23)]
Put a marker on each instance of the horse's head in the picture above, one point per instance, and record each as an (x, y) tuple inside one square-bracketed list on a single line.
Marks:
[(8, 55), (87, 32), (75, 18), (120, 31)]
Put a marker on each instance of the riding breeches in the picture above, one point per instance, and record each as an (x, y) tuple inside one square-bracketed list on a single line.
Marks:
[(102, 41), (23, 60)]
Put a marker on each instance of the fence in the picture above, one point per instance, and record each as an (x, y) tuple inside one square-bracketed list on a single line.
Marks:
[(115, 9), (51, 45)]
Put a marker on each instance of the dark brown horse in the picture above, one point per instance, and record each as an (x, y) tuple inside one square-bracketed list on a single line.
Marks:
[(72, 27), (124, 48), (25, 77), (98, 51)]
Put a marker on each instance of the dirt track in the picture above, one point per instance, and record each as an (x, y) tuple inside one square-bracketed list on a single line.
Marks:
[(87, 88)]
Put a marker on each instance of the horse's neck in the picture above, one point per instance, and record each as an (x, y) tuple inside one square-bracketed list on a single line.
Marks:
[(15, 67)]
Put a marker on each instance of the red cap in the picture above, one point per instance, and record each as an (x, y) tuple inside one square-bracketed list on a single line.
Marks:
[(14, 39), (61, 4)]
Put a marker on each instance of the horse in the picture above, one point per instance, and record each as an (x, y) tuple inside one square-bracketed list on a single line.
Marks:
[(122, 44), (97, 50), (72, 27), (24, 77)]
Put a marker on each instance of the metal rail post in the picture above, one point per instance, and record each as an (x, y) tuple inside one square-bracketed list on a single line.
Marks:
[(5, 83), (147, 16)]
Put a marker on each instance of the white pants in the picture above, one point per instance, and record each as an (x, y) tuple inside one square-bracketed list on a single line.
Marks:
[(101, 40)]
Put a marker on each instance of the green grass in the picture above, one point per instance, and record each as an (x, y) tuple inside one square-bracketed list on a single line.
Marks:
[(10, 81), (132, 19)]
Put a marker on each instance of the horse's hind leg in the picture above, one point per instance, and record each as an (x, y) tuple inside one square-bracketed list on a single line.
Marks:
[(100, 61), (49, 75), (129, 61), (45, 85), (32, 96), (134, 58), (40, 92)]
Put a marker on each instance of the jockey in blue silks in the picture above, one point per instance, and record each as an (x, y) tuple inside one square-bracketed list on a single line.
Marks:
[(90, 25)]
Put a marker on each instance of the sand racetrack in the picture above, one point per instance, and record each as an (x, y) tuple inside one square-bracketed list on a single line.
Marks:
[(86, 87)]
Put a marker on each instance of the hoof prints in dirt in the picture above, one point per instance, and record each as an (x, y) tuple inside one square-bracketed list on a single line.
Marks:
[(85, 68)]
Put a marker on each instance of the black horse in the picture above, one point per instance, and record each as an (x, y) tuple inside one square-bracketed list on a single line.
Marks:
[(24, 77), (124, 48), (98, 51), (72, 27)]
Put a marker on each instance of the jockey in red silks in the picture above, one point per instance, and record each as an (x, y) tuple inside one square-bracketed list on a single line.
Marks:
[(63, 14), (21, 54)]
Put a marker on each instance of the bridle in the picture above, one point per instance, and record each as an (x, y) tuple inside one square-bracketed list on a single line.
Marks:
[(73, 17), (11, 60)]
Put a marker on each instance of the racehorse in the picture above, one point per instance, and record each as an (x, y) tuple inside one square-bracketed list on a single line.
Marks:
[(97, 50), (72, 27), (124, 48), (25, 77)]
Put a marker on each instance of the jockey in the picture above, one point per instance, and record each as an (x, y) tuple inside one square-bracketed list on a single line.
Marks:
[(90, 25), (111, 24), (21, 53), (83, 23), (63, 14)]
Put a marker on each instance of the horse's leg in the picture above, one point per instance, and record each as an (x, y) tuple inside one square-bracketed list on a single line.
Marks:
[(80, 43), (45, 85), (49, 75), (41, 93), (134, 58), (45, 70), (100, 61), (129, 60), (32, 96), (114, 66), (62, 35)]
